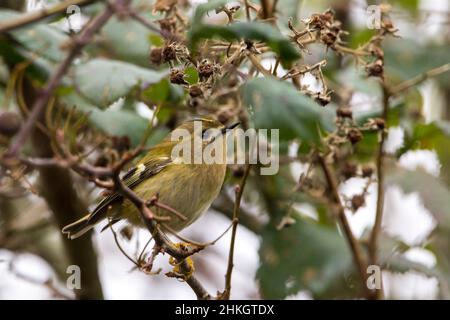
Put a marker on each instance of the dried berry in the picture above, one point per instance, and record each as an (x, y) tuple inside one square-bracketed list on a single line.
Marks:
[(205, 69), (349, 170), (169, 53), (367, 172), (156, 56), (168, 24), (375, 69), (357, 202), (323, 99), (177, 77), (380, 123), (224, 115), (354, 135), (9, 123), (344, 112), (195, 91)]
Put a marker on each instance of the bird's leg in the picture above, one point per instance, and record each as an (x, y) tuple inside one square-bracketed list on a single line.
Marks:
[(184, 268)]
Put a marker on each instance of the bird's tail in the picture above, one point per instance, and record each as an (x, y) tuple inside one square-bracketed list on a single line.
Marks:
[(78, 228)]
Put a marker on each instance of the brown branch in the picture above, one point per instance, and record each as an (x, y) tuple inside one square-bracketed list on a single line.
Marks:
[(418, 79), (239, 191), (358, 255), (164, 33), (376, 230), (79, 41), (28, 18)]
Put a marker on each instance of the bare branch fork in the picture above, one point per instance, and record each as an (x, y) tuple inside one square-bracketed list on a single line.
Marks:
[(239, 192)]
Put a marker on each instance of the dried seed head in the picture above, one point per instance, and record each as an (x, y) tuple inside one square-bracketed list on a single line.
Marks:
[(224, 115), (205, 69), (380, 123), (168, 24), (323, 99), (357, 202), (354, 135), (349, 170), (367, 172), (156, 56), (344, 112), (9, 123), (375, 69), (195, 91), (177, 77), (169, 53)]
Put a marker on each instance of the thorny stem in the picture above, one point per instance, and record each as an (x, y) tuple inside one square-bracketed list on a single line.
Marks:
[(358, 255), (235, 221)]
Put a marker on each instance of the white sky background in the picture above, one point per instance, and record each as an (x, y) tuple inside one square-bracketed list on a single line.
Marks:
[(405, 217)]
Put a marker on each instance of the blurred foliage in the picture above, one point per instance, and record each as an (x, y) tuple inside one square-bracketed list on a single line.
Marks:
[(114, 76)]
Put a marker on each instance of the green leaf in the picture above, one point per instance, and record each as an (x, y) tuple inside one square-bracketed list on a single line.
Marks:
[(104, 81), (276, 104), (433, 136), (158, 93), (191, 75), (433, 192), (304, 256), (128, 40), (203, 9), (406, 59), (114, 122), (41, 39), (247, 31)]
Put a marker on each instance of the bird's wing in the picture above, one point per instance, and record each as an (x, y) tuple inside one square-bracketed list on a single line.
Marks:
[(131, 179)]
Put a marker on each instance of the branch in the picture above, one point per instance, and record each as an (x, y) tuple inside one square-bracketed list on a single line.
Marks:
[(239, 191), (376, 230), (79, 41), (28, 18), (357, 251), (418, 79)]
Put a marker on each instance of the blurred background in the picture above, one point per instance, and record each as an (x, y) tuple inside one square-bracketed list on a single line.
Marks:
[(416, 226)]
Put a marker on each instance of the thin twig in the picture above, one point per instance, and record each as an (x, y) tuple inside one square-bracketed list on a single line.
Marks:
[(418, 79), (376, 230), (34, 16), (355, 246), (237, 204)]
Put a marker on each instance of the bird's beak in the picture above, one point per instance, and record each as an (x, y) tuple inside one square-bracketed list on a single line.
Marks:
[(230, 127)]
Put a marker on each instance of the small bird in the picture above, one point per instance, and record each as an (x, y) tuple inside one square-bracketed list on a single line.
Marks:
[(189, 188)]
